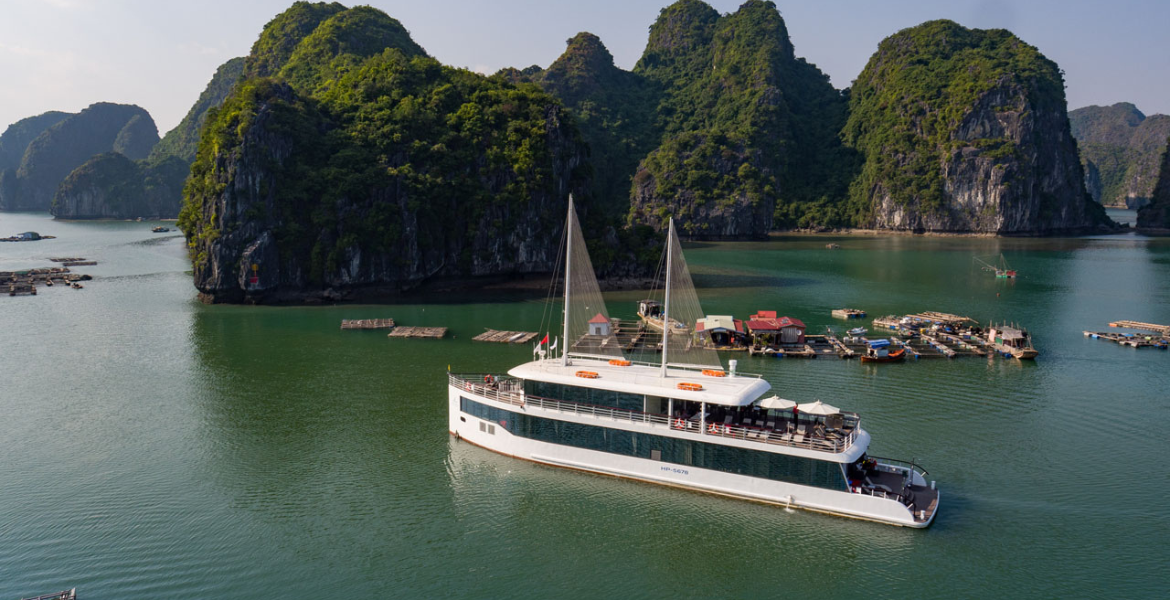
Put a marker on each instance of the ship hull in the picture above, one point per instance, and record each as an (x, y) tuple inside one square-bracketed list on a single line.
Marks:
[(494, 436)]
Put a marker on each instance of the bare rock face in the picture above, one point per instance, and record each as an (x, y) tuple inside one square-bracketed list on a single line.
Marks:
[(957, 143)]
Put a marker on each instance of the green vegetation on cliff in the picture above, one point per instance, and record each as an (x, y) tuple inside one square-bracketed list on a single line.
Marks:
[(20, 134), (283, 33), (745, 124), (361, 140), (112, 186), (1156, 215), (183, 140), (1120, 149), (943, 112), (105, 187), (613, 108), (66, 145), (915, 92)]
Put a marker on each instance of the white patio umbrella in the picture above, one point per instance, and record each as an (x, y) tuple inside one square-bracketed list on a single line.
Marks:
[(818, 408), (776, 403)]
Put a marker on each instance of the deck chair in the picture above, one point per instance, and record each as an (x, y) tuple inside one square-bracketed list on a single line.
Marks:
[(771, 424), (727, 420)]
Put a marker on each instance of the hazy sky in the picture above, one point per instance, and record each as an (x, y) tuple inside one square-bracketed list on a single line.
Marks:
[(159, 54)]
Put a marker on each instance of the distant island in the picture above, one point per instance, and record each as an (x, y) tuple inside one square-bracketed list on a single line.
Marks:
[(340, 160), (107, 161), (1121, 150), (1155, 217)]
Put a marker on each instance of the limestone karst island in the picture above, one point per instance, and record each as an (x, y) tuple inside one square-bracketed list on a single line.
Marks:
[(716, 299)]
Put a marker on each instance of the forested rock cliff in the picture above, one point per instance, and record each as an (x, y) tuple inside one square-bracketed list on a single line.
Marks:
[(965, 130), (349, 162), (1120, 149)]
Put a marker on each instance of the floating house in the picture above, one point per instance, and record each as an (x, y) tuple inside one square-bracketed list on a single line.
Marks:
[(721, 331), (769, 330), (599, 325)]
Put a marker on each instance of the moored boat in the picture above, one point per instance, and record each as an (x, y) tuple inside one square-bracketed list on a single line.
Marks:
[(1012, 341), (683, 421), (64, 595), (878, 351), (650, 312)]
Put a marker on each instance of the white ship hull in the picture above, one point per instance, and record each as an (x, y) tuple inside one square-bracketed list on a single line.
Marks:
[(495, 437)]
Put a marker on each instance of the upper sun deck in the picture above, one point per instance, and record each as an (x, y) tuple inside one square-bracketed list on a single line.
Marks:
[(646, 379)]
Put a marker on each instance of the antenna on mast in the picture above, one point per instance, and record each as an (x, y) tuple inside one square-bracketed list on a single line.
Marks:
[(666, 302), (568, 277)]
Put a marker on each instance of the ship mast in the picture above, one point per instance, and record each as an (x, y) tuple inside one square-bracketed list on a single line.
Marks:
[(666, 303), (568, 266)]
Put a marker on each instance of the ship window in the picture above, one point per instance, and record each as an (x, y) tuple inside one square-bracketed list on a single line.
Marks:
[(729, 459), (584, 395)]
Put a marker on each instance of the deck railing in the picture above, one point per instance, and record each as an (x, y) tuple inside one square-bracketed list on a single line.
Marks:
[(509, 390)]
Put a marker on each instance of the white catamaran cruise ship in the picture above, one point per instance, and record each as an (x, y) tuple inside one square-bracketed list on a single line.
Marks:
[(681, 420)]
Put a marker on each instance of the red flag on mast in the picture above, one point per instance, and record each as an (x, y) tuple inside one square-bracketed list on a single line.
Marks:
[(544, 341)]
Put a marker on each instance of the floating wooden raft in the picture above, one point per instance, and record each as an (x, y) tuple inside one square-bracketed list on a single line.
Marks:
[(367, 324), (1163, 330), (418, 332), (79, 263), (941, 317), (67, 259), (505, 337)]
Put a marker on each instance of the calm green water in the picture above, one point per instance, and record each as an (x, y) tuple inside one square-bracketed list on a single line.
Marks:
[(154, 447)]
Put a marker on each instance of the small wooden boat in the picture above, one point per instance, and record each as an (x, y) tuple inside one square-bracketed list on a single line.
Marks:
[(1012, 341), (650, 311), (894, 356), (65, 595), (879, 351)]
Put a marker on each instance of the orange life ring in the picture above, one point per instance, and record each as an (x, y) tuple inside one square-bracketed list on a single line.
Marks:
[(713, 429), (714, 373), (587, 374), (678, 423), (617, 362), (690, 387)]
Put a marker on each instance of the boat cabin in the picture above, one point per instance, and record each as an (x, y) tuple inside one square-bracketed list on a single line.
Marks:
[(878, 348), (1010, 337), (650, 308), (721, 331)]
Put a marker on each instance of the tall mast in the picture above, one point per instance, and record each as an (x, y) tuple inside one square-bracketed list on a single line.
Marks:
[(568, 278), (666, 303)]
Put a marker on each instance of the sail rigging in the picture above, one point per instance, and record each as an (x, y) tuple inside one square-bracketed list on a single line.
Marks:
[(682, 305), (588, 330)]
